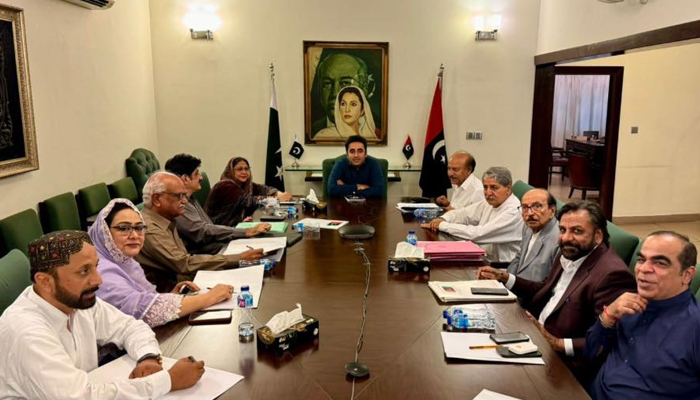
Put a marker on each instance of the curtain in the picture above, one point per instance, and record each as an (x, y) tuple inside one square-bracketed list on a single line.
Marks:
[(580, 104)]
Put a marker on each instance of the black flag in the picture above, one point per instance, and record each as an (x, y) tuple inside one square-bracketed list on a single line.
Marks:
[(433, 175), (297, 149), (408, 148), (273, 165)]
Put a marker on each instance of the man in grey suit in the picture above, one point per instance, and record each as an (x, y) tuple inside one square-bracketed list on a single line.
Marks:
[(540, 241)]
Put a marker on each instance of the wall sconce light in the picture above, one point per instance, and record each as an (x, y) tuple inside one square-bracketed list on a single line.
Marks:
[(494, 24), (202, 21)]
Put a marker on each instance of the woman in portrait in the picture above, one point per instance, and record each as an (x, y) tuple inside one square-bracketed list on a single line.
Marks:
[(353, 116), (235, 197), (118, 235)]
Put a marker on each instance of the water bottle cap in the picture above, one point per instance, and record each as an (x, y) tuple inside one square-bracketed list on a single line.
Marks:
[(245, 288), (411, 232), (445, 314)]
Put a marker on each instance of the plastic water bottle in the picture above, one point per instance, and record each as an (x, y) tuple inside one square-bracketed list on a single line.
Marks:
[(411, 238), (246, 329)]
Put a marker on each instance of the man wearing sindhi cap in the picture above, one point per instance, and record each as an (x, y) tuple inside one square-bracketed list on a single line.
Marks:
[(51, 332)]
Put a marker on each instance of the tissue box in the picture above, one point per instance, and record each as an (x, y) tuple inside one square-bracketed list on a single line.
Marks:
[(303, 332), (409, 265)]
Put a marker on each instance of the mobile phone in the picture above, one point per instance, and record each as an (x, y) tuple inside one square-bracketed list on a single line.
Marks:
[(512, 337), (490, 291), (210, 317)]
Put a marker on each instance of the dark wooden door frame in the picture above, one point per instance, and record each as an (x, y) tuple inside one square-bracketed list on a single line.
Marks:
[(543, 104), (542, 133)]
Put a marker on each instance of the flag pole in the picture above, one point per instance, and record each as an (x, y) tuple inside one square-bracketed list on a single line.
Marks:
[(295, 164)]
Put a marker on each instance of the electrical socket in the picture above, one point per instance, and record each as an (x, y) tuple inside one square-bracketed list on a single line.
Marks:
[(474, 135), (635, 130)]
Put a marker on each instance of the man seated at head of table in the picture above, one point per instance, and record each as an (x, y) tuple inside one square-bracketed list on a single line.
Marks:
[(51, 332), (164, 258), (540, 243), (586, 276), (358, 175), (494, 223), (118, 235), (466, 187), (196, 229), (652, 337)]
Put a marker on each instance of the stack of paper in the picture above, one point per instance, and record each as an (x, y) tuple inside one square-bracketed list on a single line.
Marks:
[(280, 227), (461, 291), (214, 382), (409, 207), (452, 251), (251, 276), (324, 223), (456, 345)]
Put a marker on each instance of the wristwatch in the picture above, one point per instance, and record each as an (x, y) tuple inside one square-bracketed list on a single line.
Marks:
[(148, 356)]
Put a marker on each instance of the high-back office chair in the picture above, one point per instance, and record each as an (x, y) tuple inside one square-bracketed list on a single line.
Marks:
[(328, 164), (139, 166), (582, 174), (520, 188), (60, 213), (14, 277), (203, 193), (16, 231), (124, 188), (559, 160), (623, 242), (91, 201)]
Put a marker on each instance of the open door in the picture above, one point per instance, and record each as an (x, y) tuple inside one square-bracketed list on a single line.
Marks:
[(542, 123)]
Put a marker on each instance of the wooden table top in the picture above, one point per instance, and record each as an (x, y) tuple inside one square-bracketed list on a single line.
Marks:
[(402, 343)]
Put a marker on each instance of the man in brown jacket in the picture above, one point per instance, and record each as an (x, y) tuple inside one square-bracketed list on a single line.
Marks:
[(587, 276), (164, 258)]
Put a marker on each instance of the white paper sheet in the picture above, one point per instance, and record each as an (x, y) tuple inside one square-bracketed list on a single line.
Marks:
[(460, 291), (413, 206), (333, 224), (268, 244), (489, 395), (214, 382), (251, 276), (456, 345)]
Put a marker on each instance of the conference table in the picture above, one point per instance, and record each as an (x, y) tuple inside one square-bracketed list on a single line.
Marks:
[(402, 343)]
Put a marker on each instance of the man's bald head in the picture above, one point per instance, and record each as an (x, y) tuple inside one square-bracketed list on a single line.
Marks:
[(460, 166)]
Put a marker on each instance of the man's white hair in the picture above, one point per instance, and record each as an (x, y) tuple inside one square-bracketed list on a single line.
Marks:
[(154, 185)]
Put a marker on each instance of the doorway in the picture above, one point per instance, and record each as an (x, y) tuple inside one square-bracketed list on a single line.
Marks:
[(580, 141)]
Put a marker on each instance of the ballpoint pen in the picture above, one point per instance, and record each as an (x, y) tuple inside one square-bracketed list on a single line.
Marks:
[(484, 347)]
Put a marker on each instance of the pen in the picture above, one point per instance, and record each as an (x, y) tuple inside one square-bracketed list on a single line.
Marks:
[(484, 347), (250, 248), (191, 358)]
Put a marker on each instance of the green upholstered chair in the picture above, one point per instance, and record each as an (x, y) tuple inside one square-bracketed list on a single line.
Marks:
[(16, 231), (139, 166), (92, 199), (697, 294), (60, 213), (14, 277), (695, 283), (124, 188), (623, 242), (520, 188), (327, 167), (203, 193)]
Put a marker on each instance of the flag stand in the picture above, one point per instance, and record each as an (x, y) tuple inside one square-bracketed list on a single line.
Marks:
[(295, 164)]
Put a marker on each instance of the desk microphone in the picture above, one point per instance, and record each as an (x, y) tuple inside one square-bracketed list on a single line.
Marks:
[(355, 368)]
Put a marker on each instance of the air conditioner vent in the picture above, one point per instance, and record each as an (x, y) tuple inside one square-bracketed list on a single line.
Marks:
[(93, 4)]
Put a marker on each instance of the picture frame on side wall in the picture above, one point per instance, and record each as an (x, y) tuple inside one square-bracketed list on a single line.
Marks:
[(18, 151), (357, 71)]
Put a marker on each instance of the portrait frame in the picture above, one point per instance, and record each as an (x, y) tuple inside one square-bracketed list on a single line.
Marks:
[(368, 63), (18, 150)]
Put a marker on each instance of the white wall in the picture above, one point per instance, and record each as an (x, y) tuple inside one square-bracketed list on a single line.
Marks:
[(212, 97), (92, 82), (657, 169), (571, 23)]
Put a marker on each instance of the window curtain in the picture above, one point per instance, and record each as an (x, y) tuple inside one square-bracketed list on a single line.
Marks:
[(580, 104)]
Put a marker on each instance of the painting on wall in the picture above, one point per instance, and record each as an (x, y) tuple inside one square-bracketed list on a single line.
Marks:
[(345, 91), (18, 152)]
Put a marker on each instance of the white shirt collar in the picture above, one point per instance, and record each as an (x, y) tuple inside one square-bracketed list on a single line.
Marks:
[(568, 265), (56, 317)]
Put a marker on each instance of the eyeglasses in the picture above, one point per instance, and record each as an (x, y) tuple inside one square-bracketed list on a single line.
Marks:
[(537, 207), (179, 196), (125, 230), (243, 169)]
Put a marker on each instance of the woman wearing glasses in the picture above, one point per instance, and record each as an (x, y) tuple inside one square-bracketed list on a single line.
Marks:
[(118, 235), (236, 196)]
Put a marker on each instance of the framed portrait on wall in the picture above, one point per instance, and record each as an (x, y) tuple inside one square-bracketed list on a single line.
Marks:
[(345, 91), (17, 135)]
